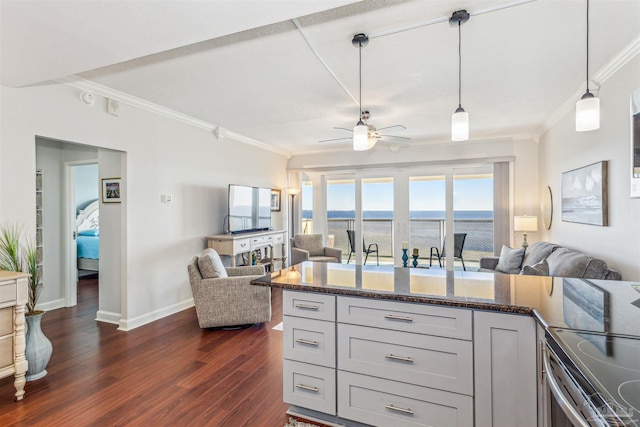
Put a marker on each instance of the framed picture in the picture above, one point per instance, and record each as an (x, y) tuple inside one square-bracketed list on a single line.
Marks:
[(111, 190), (275, 200), (635, 143), (584, 195)]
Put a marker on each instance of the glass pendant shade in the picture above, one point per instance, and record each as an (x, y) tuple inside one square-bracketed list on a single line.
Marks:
[(587, 113), (361, 137), (460, 125)]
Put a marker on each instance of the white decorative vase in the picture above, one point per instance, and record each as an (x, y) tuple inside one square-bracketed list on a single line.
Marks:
[(38, 348)]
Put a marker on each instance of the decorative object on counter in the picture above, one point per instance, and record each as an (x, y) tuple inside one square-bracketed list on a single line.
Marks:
[(415, 257), (584, 195), (525, 224), (15, 256), (405, 257)]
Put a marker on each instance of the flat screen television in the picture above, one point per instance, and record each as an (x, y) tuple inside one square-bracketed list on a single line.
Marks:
[(249, 208)]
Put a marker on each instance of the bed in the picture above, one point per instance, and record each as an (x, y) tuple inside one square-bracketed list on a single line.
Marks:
[(88, 237)]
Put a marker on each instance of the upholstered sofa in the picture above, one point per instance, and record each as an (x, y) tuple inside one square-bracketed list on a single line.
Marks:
[(549, 259), (223, 296), (310, 247)]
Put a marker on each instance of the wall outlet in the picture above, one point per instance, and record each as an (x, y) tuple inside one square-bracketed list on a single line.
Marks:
[(165, 198)]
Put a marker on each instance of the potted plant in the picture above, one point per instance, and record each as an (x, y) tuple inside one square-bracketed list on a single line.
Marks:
[(14, 256)]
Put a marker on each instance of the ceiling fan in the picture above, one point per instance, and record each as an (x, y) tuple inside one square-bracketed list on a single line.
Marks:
[(365, 135), (373, 134)]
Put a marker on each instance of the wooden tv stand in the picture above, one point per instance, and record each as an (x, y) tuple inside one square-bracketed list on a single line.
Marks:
[(236, 244)]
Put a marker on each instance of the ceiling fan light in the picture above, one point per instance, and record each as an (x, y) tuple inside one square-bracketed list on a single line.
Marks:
[(460, 125), (361, 137), (587, 113)]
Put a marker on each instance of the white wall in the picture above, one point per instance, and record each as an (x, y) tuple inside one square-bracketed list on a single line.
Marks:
[(563, 149), (87, 185), (162, 156)]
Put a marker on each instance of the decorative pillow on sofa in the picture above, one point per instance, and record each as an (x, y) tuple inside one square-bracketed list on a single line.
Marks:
[(537, 252), (539, 269), (565, 262), (510, 260), (210, 265)]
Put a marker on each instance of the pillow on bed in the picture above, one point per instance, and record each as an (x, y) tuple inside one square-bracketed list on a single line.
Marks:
[(91, 232)]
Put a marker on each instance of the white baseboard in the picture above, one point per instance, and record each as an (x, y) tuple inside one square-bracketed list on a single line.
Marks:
[(52, 305), (129, 324), (108, 317)]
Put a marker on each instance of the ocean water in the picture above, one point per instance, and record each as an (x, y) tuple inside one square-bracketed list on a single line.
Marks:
[(426, 230)]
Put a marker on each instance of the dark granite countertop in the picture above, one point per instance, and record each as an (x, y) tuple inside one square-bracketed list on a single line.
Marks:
[(591, 305)]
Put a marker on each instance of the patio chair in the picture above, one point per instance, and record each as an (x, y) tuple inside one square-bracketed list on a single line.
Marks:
[(365, 249), (458, 240)]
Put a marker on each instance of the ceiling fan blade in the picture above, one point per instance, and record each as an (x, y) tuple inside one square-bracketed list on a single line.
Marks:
[(397, 137), (348, 130), (335, 139), (399, 127)]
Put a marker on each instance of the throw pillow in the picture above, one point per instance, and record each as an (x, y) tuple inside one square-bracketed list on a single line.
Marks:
[(310, 242), (539, 269), (510, 260), (210, 265)]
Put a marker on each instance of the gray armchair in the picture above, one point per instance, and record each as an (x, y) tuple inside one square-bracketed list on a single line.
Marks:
[(225, 297), (310, 247)]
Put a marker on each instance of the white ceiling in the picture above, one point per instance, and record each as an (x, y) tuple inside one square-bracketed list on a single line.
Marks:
[(248, 67)]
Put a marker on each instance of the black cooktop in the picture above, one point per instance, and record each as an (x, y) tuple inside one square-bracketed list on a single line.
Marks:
[(610, 368)]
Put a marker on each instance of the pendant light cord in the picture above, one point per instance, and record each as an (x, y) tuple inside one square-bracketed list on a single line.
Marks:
[(587, 46), (360, 73), (459, 66)]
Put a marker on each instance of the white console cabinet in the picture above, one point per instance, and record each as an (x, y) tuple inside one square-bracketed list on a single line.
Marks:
[(407, 364), (233, 245), (13, 297)]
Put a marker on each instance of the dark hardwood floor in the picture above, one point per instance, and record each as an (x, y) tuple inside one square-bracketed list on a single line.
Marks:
[(167, 373)]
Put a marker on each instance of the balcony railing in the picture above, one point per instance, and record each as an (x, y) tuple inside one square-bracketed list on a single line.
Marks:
[(424, 234)]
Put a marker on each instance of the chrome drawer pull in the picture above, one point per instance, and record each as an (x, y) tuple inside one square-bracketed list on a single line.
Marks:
[(307, 307), (308, 342), (403, 410), (307, 387), (402, 358), (401, 318)]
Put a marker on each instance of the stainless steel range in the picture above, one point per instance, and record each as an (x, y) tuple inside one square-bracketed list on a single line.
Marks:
[(594, 378)]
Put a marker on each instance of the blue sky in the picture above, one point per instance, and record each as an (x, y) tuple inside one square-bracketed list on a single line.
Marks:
[(424, 195)]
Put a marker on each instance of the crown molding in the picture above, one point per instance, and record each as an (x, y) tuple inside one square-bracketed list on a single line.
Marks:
[(623, 57), (133, 101)]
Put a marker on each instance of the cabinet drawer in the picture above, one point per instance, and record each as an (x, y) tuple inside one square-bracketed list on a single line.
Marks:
[(407, 317), (389, 403), (240, 246), (7, 292), (6, 351), (309, 305), (6, 321), (424, 360), (278, 239), (309, 340), (310, 386)]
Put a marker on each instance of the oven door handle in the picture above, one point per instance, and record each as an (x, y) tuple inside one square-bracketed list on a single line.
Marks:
[(572, 413)]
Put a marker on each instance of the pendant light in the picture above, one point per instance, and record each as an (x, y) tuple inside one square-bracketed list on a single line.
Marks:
[(361, 141), (588, 107), (459, 119)]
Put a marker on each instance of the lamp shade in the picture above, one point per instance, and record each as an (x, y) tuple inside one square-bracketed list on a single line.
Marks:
[(293, 191), (587, 113), (361, 137), (525, 223), (460, 125)]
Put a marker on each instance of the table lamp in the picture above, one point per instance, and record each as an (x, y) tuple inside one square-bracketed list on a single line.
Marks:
[(525, 223)]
